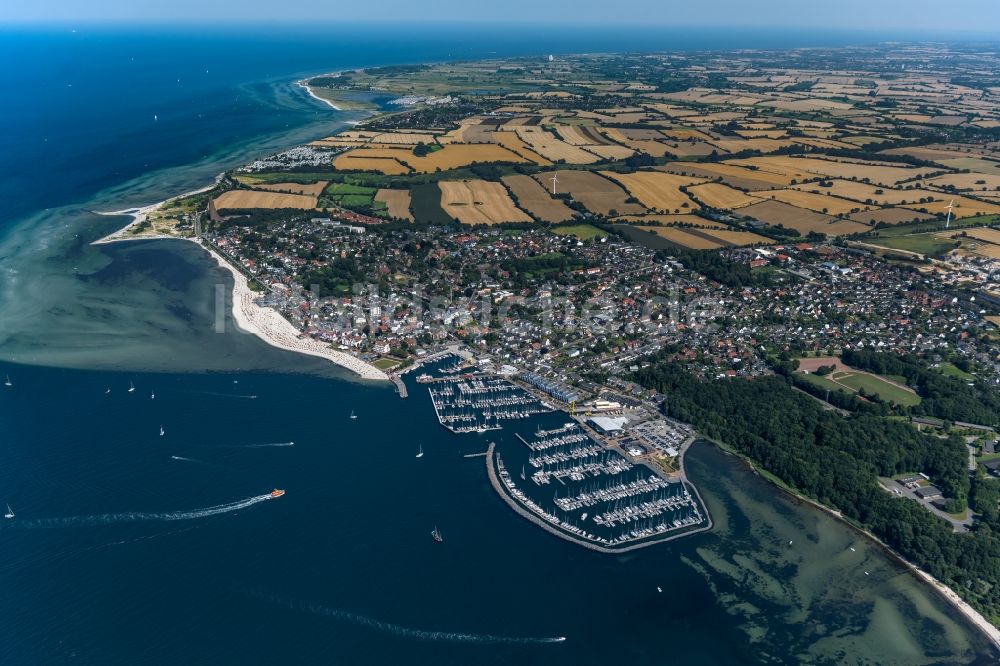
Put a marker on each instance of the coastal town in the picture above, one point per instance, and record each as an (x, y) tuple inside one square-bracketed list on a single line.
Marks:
[(633, 246)]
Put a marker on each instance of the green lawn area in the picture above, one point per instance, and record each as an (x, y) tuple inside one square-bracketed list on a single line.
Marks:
[(851, 382), (883, 389), (386, 363), (581, 231), (822, 382), (952, 371)]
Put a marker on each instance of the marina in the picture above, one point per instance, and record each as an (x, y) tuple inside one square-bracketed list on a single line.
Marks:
[(600, 497), (480, 403), (554, 470)]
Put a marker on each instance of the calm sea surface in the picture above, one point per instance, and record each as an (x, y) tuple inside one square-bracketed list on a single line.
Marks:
[(132, 547)]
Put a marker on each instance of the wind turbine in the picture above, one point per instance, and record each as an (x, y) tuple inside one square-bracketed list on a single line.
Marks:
[(555, 179), (948, 221)]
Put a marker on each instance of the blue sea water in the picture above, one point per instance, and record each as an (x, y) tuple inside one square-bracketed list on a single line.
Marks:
[(131, 547)]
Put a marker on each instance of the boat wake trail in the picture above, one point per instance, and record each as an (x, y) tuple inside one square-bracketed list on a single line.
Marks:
[(256, 446), (136, 517), (183, 459), (395, 629), (227, 395)]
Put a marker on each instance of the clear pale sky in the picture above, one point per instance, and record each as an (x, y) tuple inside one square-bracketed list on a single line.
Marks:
[(979, 16)]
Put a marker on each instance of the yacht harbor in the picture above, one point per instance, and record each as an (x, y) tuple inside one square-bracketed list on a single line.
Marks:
[(593, 493), (480, 403), (608, 484)]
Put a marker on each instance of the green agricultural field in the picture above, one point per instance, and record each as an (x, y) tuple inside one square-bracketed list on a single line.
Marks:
[(283, 177), (581, 231), (925, 244), (933, 225), (425, 202)]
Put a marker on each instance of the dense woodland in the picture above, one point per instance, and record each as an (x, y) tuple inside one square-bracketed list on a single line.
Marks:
[(836, 460)]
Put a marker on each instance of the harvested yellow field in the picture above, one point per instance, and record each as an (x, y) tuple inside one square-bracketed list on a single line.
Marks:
[(648, 146), (810, 167), (479, 202), (737, 145), (717, 195), (735, 238), (968, 181), (657, 190), (684, 238), (823, 143), (312, 189), (546, 144), (988, 250), (778, 213), (988, 235), (349, 161), (575, 135), (452, 156), (598, 194), (610, 152), (407, 138), (253, 199), (512, 142), (963, 207), (734, 175), (684, 133), (337, 143), (890, 216), (821, 203), (397, 202), (864, 192), (535, 199), (671, 221), (761, 133)]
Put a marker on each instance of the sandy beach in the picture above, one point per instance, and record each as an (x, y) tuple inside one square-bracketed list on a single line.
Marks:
[(278, 332), (309, 90), (266, 323)]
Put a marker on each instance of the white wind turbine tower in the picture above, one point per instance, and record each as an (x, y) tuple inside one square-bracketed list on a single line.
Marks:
[(948, 221), (555, 179)]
